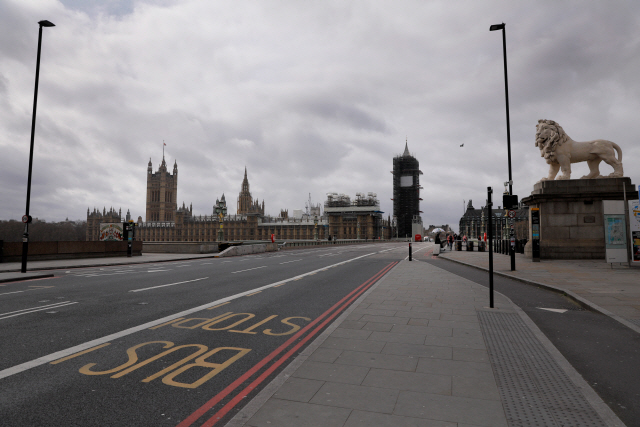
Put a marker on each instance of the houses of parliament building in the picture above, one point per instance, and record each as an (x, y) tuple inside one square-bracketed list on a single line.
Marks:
[(166, 222)]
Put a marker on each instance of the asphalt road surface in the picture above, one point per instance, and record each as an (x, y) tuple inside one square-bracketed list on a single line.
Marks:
[(175, 343), (605, 352)]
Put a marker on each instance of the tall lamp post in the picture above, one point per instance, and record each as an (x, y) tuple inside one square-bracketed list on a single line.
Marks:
[(315, 228), (512, 252), (221, 210), (506, 95), (27, 218)]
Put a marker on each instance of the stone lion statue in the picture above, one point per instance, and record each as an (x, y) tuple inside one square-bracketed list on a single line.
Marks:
[(560, 151)]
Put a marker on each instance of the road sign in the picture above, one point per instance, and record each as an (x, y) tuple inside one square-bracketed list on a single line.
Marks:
[(512, 213)]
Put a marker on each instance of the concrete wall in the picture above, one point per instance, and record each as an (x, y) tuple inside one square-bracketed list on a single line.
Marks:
[(298, 243), (572, 216), (572, 230), (12, 251), (180, 248)]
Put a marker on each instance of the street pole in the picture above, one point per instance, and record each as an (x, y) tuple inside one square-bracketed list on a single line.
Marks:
[(506, 96), (490, 227), (25, 236), (512, 248)]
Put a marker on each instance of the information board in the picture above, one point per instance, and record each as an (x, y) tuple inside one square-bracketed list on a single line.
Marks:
[(111, 232), (634, 230)]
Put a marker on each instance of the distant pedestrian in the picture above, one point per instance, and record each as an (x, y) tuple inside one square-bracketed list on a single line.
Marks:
[(437, 241), (450, 240)]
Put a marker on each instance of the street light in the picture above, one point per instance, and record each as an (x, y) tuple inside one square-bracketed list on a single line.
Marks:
[(506, 95), (221, 210), (512, 253), (315, 228), (26, 218)]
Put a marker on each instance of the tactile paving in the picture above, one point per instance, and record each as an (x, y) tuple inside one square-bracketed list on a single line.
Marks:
[(534, 389)]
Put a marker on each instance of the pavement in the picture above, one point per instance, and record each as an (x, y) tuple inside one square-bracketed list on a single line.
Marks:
[(422, 348)]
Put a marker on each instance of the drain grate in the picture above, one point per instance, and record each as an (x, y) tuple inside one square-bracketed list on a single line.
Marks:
[(534, 390)]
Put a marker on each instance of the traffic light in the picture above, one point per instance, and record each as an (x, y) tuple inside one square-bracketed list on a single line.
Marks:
[(510, 202)]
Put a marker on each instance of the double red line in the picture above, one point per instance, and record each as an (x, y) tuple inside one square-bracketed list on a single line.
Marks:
[(304, 333)]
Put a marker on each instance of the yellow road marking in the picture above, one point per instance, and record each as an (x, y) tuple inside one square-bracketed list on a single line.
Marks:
[(248, 295), (281, 284), (219, 305), (79, 354), (164, 324)]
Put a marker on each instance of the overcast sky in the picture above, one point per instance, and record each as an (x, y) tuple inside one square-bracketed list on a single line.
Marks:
[(312, 97)]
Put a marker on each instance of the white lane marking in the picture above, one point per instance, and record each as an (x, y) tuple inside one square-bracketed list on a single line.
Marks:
[(170, 284), (33, 310), (155, 271), (98, 341), (248, 269), (386, 250), (205, 263), (104, 274), (287, 262), (555, 310), (18, 292), (227, 261)]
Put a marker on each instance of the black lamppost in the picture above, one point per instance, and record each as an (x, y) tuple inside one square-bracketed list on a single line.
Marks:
[(221, 210), (26, 218), (506, 95), (512, 253)]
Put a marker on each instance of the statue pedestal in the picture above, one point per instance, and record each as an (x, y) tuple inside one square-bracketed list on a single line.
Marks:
[(571, 215)]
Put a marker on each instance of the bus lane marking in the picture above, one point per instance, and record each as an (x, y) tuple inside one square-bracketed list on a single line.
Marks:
[(64, 359), (219, 305), (255, 293), (199, 352), (171, 372), (303, 335), (107, 338)]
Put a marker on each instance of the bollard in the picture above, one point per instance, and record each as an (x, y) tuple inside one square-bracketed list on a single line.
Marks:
[(458, 245), (409, 251)]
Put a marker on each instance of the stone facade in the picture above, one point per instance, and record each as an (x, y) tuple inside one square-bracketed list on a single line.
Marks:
[(95, 218), (360, 219), (246, 204), (406, 192), (474, 222), (572, 216), (162, 193)]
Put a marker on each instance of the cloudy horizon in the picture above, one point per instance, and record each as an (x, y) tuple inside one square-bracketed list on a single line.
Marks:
[(311, 97)]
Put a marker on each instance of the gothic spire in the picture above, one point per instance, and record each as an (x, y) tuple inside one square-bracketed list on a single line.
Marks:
[(406, 149)]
